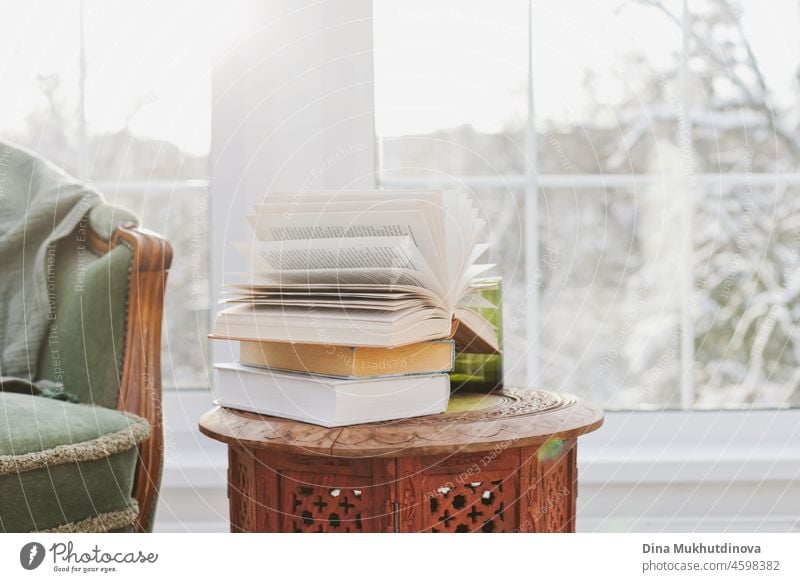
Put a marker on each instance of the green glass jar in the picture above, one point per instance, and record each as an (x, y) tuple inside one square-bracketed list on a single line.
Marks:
[(482, 372)]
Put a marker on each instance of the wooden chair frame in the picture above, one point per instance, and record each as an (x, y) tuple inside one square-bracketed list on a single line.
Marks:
[(140, 381)]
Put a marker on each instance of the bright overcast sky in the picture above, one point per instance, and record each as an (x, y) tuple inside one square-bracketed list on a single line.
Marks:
[(450, 62), (148, 55), (438, 63)]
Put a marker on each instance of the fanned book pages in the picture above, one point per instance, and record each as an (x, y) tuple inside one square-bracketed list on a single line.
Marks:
[(361, 268)]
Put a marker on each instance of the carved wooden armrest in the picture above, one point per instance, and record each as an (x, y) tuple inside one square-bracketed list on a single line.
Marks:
[(140, 385)]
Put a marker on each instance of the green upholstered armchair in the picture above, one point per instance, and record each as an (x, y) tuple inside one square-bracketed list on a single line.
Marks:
[(94, 464)]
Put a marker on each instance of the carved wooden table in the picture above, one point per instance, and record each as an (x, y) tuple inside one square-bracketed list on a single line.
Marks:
[(492, 463)]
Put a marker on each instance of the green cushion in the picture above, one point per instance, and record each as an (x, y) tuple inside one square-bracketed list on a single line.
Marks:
[(64, 466), (85, 344)]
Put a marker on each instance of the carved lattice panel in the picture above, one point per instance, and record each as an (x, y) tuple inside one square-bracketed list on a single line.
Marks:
[(241, 491), (557, 493), (486, 504), (313, 508)]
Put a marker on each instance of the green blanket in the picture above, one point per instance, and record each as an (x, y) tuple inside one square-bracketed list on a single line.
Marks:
[(39, 204)]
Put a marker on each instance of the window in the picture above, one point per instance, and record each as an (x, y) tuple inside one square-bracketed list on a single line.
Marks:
[(637, 164), (118, 93)]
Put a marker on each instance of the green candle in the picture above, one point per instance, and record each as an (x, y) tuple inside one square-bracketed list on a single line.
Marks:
[(482, 372)]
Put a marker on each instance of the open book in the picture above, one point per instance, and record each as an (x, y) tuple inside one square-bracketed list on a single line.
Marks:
[(362, 268)]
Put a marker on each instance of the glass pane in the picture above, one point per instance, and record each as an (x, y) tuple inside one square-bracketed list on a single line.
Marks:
[(605, 85), (504, 213), (180, 213), (148, 89), (610, 302), (744, 64), (39, 101), (747, 261), (450, 86)]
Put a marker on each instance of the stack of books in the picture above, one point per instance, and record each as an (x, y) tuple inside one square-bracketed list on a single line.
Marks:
[(354, 306)]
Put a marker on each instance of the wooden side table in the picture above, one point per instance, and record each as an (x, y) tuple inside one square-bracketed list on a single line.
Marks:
[(501, 462)]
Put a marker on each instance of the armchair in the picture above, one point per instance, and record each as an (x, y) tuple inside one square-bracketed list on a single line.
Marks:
[(94, 465)]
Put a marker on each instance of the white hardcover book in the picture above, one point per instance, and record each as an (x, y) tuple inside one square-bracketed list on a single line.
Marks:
[(326, 401)]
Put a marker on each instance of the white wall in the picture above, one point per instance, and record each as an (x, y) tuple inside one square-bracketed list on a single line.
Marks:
[(292, 110), (705, 471), (193, 495)]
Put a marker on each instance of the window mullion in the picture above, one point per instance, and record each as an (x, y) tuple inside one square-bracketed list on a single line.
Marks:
[(83, 155), (688, 181), (531, 223)]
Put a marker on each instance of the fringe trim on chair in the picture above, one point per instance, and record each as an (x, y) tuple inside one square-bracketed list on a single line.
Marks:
[(100, 523), (99, 448)]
